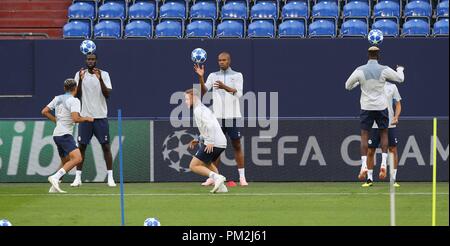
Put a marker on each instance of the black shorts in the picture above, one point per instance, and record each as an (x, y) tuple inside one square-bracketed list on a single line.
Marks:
[(65, 144), (367, 117), (99, 128), (229, 128), (374, 138), (208, 158)]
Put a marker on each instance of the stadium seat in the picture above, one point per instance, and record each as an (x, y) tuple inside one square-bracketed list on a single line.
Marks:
[(322, 28), (418, 8), (261, 29), (77, 29), (231, 29), (169, 29), (264, 9), (325, 9), (142, 10), (204, 9), (112, 10), (106, 28), (441, 27), (199, 28), (292, 28), (386, 9), (354, 27), (356, 9), (389, 27), (82, 10), (442, 9), (139, 29), (173, 10), (295, 9), (234, 9), (416, 27)]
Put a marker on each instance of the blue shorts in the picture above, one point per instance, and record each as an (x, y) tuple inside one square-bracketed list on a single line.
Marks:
[(229, 128), (381, 117), (99, 128), (208, 158), (65, 144), (374, 138)]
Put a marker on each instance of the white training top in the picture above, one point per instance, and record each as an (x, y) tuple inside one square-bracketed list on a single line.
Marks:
[(391, 94), (225, 104), (372, 78), (64, 106), (208, 126), (93, 101)]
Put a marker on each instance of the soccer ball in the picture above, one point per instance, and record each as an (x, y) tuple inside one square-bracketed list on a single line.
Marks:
[(151, 222), (375, 37), (4, 222), (198, 55), (87, 47)]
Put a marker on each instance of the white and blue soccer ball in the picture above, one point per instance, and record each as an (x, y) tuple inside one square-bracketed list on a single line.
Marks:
[(198, 55), (87, 47), (152, 222), (375, 37), (4, 222)]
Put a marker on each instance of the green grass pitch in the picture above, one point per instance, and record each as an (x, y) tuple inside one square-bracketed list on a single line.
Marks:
[(189, 204)]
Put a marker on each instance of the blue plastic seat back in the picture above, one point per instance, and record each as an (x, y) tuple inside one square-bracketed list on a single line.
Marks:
[(204, 10), (81, 10), (261, 29), (142, 10), (386, 8), (108, 29), (169, 28), (292, 28), (356, 9), (200, 28), (418, 8), (264, 9), (416, 27), (173, 10), (441, 27), (230, 28), (234, 10), (325, 9), (389, 27), (322, 27), (138, 28), (77, 28), (354, 27), (112, 10), (442, 9), (295, 9)]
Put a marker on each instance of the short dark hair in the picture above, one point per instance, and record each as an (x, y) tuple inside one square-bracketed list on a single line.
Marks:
[(95, 54), (374, 54), (69, 85)]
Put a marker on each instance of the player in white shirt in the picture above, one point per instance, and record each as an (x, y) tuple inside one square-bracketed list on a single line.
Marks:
[(94, 87), (393, 96), (227, 88), (212, 142), (67, 113), (374, 106)]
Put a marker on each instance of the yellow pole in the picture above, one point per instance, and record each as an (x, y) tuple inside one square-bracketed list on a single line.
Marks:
[(433, 211)]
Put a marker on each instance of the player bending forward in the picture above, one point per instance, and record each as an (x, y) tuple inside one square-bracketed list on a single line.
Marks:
[(212, 142), (67, 113)]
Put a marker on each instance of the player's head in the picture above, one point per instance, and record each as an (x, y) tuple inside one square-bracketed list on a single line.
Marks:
[(224, 60), (91, 60), (374, 53), (190, 97), (70, 86)]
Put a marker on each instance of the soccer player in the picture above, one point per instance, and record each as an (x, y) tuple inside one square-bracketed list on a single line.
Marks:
[(211, 144), (67, 113), (372, 79), (374, 138), (227, 86), (94, 87)]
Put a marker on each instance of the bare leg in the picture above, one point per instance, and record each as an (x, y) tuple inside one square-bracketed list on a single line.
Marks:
[(364, 140), (238, 153), (82, 148), (75, 159), (107, 155), (384, 150), (197, 166), (393, 150)]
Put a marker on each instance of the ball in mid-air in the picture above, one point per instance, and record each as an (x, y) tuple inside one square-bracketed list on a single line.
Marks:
[(87, 47), (151, 222), (375, 37), (4, 222), (198, 55)]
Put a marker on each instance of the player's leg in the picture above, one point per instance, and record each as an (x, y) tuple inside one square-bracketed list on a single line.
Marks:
[(213, 165), (85, 133), (366, 122), (101, 132), (66, 147), (370, 164), (198, 166), (235, 135), (382, 120), (63, 161), (393, 150)]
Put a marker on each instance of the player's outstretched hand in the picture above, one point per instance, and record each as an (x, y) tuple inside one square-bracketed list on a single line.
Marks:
[(193, 143), (90, 119), (98, 73), (398, 66), (200, 70), (209, 148), (219, 85), (394, 121), (81, 74)]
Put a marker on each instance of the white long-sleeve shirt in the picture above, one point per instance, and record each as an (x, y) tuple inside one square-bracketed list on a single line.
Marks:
[(208, 126), (372, 79), (225, 104)]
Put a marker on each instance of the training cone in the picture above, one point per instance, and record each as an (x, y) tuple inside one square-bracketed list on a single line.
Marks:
[(231, 184)]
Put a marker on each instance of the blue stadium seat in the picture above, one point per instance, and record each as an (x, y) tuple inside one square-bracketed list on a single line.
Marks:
[(82, 10), (77, 29), (387, 8), (416, 27), (230, 29), (389, 27), (292, 28), (325, 9), (322, 28), (142, 10), (108, 29), (199, 28), (356, 9), (204, 9), (139, 28), (169, 29), (264, 9), (441, 27), (112, 10), (261, 29), (173, 10), (354, 27), (295, 9), (418, 8), (234, 9), (442, 9)]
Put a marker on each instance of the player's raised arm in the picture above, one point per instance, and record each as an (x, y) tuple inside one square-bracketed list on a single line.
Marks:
[(392, 75), (200, 71), (106, 89)]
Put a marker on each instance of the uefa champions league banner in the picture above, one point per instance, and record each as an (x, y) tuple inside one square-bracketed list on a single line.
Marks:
[(304, 150)]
